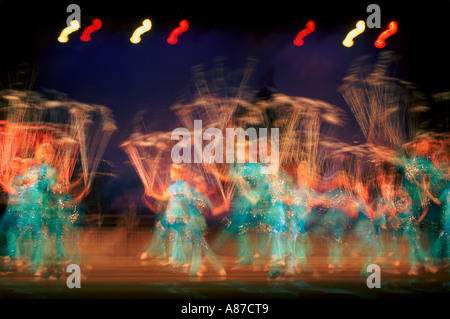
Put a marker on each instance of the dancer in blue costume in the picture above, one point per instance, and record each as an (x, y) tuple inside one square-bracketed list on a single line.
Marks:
[(407, 222), (247, 178), (444, 236), (15, 207), (388, 204), (64, 237), (278, 192), (298, 242), (156, 246), (338, 218), (368, 226), (196, 227), (177, 195), (33, 221), (414, 169)]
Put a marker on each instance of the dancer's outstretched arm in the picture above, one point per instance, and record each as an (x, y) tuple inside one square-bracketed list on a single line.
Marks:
[(9, 188), (225, 207), (76, 183), (434, 199), (160, 197), (385, 157), (422, 216), (82, 195)]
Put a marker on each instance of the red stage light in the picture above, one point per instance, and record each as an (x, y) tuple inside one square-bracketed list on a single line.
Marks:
[(173, 37), (96, 25), (310, 26), (380, 42)]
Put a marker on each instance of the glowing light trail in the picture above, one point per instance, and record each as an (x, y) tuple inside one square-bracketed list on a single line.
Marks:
[(360, 27), (64, 36)]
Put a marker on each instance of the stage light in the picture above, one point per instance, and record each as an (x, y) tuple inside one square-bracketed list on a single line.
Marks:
[(146, 26), (183, 27), (360, 27), (96, 25), (380, 42), (310, 27), (74, 26)]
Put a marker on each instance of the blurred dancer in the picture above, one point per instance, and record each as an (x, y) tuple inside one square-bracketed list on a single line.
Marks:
[(274, 219), (337, 220), (196, 228), (247, 177), (368, 227), (177, 195), (414, 168), (15, 206), (65, 212), (41, 177), (156, 246), (403, 215), (298, 242), (444, 235)]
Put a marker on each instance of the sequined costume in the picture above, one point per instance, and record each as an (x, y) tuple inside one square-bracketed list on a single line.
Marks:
[(409, 231), (274, 219), (335, 223), (8, 223), (243, 211), (62, 228), (196, 228), (177, 218), (368, 231), (33, 222), (413, 171), (444, 235), (156, 247), (298, 219)]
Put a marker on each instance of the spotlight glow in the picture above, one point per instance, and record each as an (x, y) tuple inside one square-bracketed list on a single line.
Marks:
[(146, 26), (96, 25), (380, 42), (74, 26), (360, 27), (310, 27), (173, 38)]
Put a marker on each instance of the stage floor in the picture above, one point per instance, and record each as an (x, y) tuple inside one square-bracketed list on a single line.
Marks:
[(131, 278), (111, 269)]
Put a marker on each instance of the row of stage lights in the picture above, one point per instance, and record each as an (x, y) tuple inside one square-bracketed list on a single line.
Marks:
[(135, 38), (184, 26)]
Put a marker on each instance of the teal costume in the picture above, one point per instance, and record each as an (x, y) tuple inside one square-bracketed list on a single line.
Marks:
[(177, 218), (335, 223), (196, 228), (63, 233), (410, 232), (9, 221), (275, 218), (156, 247), (243, 212), (368, 230), (444, 235), (413, 171), (298, 242), (35, 218)]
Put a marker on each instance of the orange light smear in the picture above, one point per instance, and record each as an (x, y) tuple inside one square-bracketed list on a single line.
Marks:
[(64, 36), (173, 38), (380, 42), (310, 27)]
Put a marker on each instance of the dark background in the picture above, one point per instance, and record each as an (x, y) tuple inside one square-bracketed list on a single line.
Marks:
[(153, 75)]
